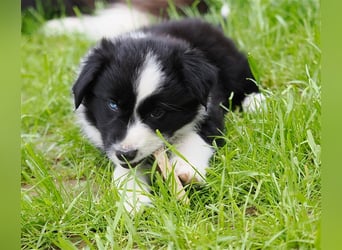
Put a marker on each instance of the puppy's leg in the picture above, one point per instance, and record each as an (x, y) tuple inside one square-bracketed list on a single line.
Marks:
[(197, 154), (133, 187)]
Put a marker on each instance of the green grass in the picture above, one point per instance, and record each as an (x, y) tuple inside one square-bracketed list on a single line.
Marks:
[(263, 189)]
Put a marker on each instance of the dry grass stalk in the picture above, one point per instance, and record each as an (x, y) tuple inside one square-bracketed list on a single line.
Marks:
[(166, 169)]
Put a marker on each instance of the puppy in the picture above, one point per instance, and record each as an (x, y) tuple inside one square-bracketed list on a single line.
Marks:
[(175, 77)]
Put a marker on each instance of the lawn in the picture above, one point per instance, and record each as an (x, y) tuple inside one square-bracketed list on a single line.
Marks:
[(263, 188)]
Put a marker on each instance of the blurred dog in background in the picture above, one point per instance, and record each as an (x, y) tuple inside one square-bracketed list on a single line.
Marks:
[(118, 16), (55, 8)]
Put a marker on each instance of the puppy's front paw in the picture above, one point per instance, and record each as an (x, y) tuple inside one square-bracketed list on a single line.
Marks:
[(134, 204), (186, 172), (133, 188), (254, 102)]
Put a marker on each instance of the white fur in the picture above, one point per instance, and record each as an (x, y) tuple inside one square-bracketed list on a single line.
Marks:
[(225, 10), (149, 79), (132, 186), (110, 22), (197, 154), (139, 136), (90, 131), (136, 35), (253, 102)]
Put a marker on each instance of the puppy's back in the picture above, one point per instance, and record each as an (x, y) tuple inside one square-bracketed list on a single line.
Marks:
[(234, 72)]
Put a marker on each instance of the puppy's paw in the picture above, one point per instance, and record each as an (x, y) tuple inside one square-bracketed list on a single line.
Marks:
[(135, 204), (132, 187), (186, 172), (254, 102)]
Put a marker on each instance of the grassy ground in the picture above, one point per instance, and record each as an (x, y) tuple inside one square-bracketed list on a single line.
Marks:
[(263, 189)]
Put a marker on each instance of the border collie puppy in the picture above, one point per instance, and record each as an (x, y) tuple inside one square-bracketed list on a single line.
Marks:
[(173, 77)]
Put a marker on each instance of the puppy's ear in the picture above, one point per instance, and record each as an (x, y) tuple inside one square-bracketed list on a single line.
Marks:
[(93, 63), (85, 79), (198, 75)]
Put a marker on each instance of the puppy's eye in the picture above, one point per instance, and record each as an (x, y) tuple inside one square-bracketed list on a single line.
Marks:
[(157, 113), (113, 105)]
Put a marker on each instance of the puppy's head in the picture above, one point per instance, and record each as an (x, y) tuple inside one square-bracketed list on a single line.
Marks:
[(130, 87)]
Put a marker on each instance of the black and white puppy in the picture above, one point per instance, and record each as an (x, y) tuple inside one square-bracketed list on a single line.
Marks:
[(173, 77)]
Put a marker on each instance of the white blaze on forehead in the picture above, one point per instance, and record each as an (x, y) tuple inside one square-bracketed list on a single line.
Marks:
[(136, 134), (149, 79)]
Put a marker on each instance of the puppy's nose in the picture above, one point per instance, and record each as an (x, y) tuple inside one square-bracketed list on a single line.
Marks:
[(126, 155)]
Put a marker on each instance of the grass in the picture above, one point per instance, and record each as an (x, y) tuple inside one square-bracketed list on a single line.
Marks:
[(263, 188)]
